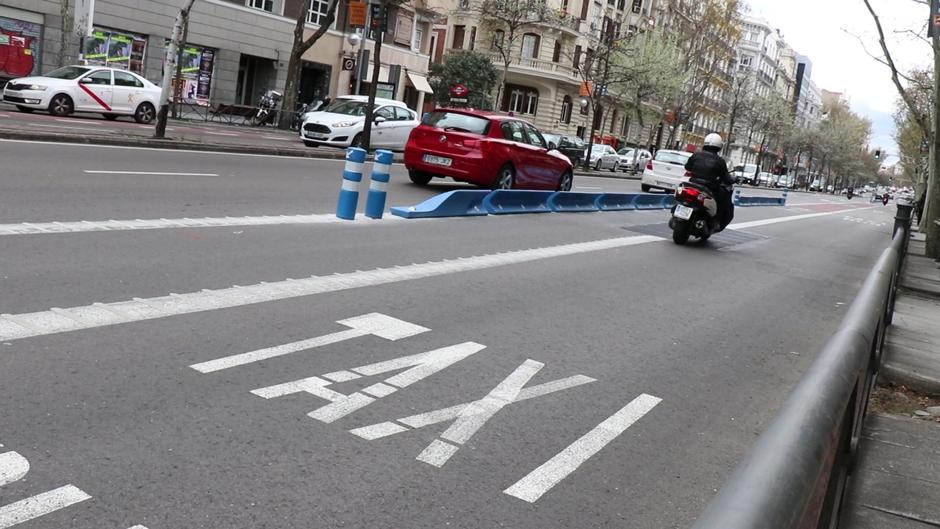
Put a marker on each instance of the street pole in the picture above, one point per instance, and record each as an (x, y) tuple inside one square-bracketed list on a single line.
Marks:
[(932, 204)]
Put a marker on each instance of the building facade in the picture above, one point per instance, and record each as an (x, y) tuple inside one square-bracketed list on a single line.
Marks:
[(235, 49)]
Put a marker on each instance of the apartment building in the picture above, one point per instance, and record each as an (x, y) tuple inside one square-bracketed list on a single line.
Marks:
[(543, 83), (236, 49)]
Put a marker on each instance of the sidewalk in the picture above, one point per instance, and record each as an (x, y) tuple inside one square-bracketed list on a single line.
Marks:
[(896, 483)]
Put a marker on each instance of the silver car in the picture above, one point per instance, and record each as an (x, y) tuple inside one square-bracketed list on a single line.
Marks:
[(634, 160), (604, 157)]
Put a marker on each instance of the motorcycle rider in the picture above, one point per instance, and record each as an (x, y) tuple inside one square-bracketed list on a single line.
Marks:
[(709, 169)]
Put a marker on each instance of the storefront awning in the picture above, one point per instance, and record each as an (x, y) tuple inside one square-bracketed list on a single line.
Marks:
[(420, 82)]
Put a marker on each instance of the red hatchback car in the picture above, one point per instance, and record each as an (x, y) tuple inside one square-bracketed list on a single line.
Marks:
[(489, 150)]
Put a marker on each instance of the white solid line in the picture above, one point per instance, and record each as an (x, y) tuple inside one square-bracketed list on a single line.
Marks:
[(65, 128), (85, 146), (84, 226), (40, 505), (541, 480), (220, 133), (138, 527), (150, 173), (84, 121), (778, 220)]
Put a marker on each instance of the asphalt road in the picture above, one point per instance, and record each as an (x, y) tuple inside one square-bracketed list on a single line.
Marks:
[(607, 378)]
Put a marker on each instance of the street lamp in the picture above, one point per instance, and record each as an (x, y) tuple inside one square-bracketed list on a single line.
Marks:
[(354, 40)]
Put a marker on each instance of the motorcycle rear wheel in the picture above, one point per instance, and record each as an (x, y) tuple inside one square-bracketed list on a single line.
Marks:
[(681, 231)]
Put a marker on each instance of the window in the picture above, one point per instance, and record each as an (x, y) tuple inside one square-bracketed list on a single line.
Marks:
[(613, 121), (264, 5), (473, 38), (745, 61), (513, 131), (530, 46), (102, 77), (576, 63), (455, 121), (419, 38), (403, 114), (565, 110), (497, 40), (521, 100), (584, 9), (621, 4), (556, 55), (637, 6), (386, 112), (458, 37), (625, 127), (534, 137), (318, 12), (126, 79)]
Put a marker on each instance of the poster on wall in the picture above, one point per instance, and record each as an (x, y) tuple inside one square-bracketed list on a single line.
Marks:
[(116, 49), (196, 69), (19, 48)]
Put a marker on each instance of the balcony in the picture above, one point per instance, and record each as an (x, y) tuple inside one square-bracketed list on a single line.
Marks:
[(564, 22), (549, 69)]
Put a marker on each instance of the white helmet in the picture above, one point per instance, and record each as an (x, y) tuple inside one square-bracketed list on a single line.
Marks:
[(714, 140)]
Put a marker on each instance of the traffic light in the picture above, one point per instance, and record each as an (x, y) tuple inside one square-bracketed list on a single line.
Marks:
[(878, 154)]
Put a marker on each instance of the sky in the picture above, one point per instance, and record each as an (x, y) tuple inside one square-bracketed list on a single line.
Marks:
[(826, 31)]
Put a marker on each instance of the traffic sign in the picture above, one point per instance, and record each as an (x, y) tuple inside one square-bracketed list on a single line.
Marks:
[(349, 64), (357, 14), (459, 90)]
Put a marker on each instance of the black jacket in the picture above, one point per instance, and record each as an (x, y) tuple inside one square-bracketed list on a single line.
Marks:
[(709, 168)]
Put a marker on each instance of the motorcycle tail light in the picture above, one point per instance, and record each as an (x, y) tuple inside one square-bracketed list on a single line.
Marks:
[(689, 193)]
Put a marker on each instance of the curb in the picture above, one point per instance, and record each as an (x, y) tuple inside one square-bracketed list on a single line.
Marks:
[(607, 175), (172, 144), (910, 379)]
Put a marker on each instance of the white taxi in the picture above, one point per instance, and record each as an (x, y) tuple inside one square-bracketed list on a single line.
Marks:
[(108, 91), (341, 124), (665, 171)]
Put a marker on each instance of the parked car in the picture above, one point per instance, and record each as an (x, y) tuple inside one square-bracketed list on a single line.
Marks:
[(489, 150), (604, 157), (665, 171), (341, 124), (633, 160), (783, 181), (816, 186), (745, 174), (571, 146), (107, 91)]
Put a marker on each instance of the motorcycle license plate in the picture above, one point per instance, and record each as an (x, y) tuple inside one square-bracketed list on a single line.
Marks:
[(437, 160), (683, 212)]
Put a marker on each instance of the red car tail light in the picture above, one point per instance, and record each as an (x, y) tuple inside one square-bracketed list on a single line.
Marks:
[(649, 166)]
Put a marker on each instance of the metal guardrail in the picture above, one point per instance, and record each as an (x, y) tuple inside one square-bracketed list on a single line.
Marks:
[(795, 475)]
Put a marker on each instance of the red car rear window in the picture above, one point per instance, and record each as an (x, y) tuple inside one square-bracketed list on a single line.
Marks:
[(457, 122)]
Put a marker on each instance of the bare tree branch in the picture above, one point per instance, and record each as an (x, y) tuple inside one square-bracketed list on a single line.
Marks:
[(875, 57)]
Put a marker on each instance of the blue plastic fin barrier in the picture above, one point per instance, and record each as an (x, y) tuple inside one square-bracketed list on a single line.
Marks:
[(567, 202), (616, 201), (650, 201), (669, 201), (460, 203), (509, 201), (736, 199)]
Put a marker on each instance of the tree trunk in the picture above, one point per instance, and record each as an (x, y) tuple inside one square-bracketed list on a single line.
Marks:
[(178, 92), (168, 69), (932, 204), (293, 67), (380, 35), (66, 14)]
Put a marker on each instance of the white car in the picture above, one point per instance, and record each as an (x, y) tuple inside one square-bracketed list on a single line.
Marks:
[(341, 123), (603, 157), (108, 91), (632, 159), (665, 171)]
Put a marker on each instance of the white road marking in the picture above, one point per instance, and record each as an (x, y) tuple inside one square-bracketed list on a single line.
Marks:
[(541, 480), (66, 128), (13, 467), (476, 414), (377, 324), (137, 527), (385, 429), (208, 153), (85, 226), (220, 133), (13, 327), (778, 220), (149, 173), (84, 121), (40, 505), (588, 187)]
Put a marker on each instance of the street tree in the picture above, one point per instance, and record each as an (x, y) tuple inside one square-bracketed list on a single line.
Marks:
[(469, 68), (928, 122), (647, 74), (766, 119), (737, 100), (300, 46), (708, 33), (913, 142), (169, 67), (506, 21)]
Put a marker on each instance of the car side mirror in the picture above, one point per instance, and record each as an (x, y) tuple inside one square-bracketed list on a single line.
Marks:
[(552, 146), (379, 119), (86, 80)]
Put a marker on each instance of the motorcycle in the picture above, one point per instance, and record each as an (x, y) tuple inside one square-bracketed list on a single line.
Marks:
[(884, 199), (849, 194), (267, 108), (695, 213)]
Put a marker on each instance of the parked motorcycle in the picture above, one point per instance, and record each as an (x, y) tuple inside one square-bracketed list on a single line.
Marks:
[(694, 213), (267, 108), (849, 193)]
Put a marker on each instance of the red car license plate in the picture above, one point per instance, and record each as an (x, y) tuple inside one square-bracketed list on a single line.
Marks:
[(437, 160)]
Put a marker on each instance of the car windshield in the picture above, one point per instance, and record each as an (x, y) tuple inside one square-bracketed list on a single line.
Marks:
[(457, 122), (348, 107), (68, 72), (673, 157), (625, 152)]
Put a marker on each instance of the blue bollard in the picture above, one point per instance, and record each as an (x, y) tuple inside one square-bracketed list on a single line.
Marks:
[(375, 203), (352, 175), (736, 200), (786, 191)]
